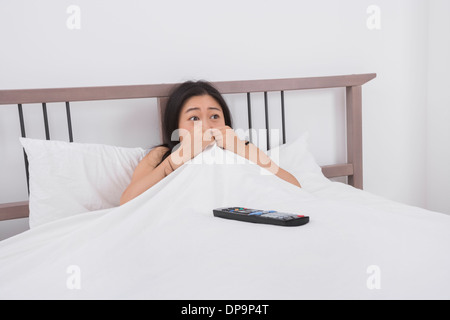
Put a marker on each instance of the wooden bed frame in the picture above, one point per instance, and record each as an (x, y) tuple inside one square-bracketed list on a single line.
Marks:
[(353, 169)]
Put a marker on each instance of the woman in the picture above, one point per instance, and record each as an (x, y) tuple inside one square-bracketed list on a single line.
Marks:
[(200, 116)]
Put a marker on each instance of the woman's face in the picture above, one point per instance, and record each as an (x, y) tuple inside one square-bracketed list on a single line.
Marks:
[(201, 108)]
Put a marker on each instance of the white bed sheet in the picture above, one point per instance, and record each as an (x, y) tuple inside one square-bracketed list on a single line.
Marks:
[(166, 244)]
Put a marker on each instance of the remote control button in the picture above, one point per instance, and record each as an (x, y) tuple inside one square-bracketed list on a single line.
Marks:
[(257, 213), (300, 216)]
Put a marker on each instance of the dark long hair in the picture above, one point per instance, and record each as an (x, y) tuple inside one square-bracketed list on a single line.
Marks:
[(179, 95)]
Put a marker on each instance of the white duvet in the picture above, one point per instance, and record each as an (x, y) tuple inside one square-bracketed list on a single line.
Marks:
[(166, 244)]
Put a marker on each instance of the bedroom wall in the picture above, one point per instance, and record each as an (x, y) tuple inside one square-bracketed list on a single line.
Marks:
[(120, 43), (438, 108)]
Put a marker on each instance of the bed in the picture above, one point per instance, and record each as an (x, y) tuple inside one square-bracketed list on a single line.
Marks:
[(166, 243)]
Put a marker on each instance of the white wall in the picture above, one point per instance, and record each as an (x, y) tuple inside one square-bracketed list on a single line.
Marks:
[(438, 108), (138, 42)]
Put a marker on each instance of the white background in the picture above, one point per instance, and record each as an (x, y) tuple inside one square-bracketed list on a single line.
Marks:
[(406, 109)]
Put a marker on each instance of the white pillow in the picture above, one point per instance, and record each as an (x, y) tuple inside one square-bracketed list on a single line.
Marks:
[(296, 158), (71, 178)]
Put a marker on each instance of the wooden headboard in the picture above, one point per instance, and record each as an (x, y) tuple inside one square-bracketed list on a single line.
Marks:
[(353, 169)]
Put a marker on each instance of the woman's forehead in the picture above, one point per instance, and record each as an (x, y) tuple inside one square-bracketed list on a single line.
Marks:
[(204, 102)]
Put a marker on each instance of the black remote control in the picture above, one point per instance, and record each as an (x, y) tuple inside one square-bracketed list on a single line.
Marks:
[(261, 216)]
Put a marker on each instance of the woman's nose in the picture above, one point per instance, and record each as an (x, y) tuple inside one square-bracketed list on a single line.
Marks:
[(203, 125), (207, 124)]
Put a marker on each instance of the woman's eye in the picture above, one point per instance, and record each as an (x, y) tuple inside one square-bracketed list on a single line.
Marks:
[(195, 118)]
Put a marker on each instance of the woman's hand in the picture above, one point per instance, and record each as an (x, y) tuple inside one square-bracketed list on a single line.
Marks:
[(192, 143), (227, 139)]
